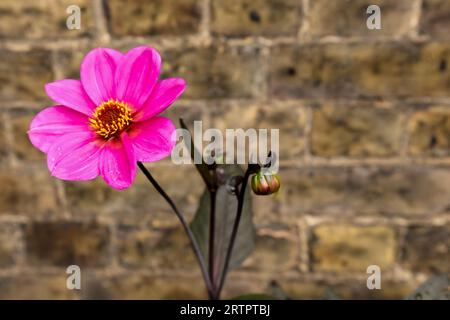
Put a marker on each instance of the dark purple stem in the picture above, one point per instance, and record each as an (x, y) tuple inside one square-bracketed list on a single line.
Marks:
[(234, 231), (212, 228)]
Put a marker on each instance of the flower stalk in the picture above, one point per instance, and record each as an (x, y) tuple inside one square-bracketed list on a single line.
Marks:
[(212, 228), (194, 244), (240, 198)]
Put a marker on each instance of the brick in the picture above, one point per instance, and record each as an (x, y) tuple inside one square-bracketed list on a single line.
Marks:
[(43, 19), (208, 74), (289, 120), (22, 147), (238, 284), (348, 248), (259, 18), (20, 194), (429, 132), (10, 240), (24, 74), (36, 287), (356, 130), (64, 243), (188, 112), (140, 202), (390, 290), (267, 209), (275, 251), (354, 70), (427, 249), (143, 286), (69, 62), (349, 290), (348, 18), (435, 18), (392, 191), (167, 249), (296, 288), (140, 17), (4, 145), (137, 286)]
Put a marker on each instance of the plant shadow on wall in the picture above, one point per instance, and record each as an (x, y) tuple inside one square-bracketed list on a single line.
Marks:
[(108, 121)]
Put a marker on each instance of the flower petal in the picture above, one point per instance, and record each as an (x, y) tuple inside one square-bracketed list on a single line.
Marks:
[(74, 156), (163, 95), (70, 93), (136, 75), (154, 139), (97, 74), (51, 123), (118, 163)]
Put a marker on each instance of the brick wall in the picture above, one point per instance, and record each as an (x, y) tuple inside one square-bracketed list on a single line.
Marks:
[(364, 119)]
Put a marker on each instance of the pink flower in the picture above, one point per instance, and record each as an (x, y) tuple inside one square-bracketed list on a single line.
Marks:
[(109, 120)]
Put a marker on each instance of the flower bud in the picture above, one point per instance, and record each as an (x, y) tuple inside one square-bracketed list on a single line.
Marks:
[(265, 183)]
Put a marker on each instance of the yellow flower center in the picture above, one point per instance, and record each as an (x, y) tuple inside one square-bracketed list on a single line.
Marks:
[(110, 118)]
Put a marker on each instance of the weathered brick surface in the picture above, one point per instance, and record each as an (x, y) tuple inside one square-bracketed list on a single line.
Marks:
[(24, 74), (341, 248), (289, 120), (274, 252), (69, 61), (384, 69), (68, 243), (36, 287), (10, 240), (356, 130), (156, 249), (21, 146), (137, 286), (261, 17), (363, 118), (307, 289), (28, 192), (435, 18), (391, 191), (208, 72), (45, 19), (430, 132), (348, 18), (3, 142), (427, 249), (155, 17)]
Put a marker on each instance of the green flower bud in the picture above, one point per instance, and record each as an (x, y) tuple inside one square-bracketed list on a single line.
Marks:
[(265, 183)]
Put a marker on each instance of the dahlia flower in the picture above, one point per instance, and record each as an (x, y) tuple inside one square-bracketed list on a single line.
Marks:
[(107, 121)]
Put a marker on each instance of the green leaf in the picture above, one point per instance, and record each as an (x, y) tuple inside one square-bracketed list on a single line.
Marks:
[(226, 207), (255, 296), (201, 167), (436, 288)]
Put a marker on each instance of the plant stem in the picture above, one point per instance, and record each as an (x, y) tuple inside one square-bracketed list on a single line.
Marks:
[(212, 228), (194, 244), (234, 231)]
